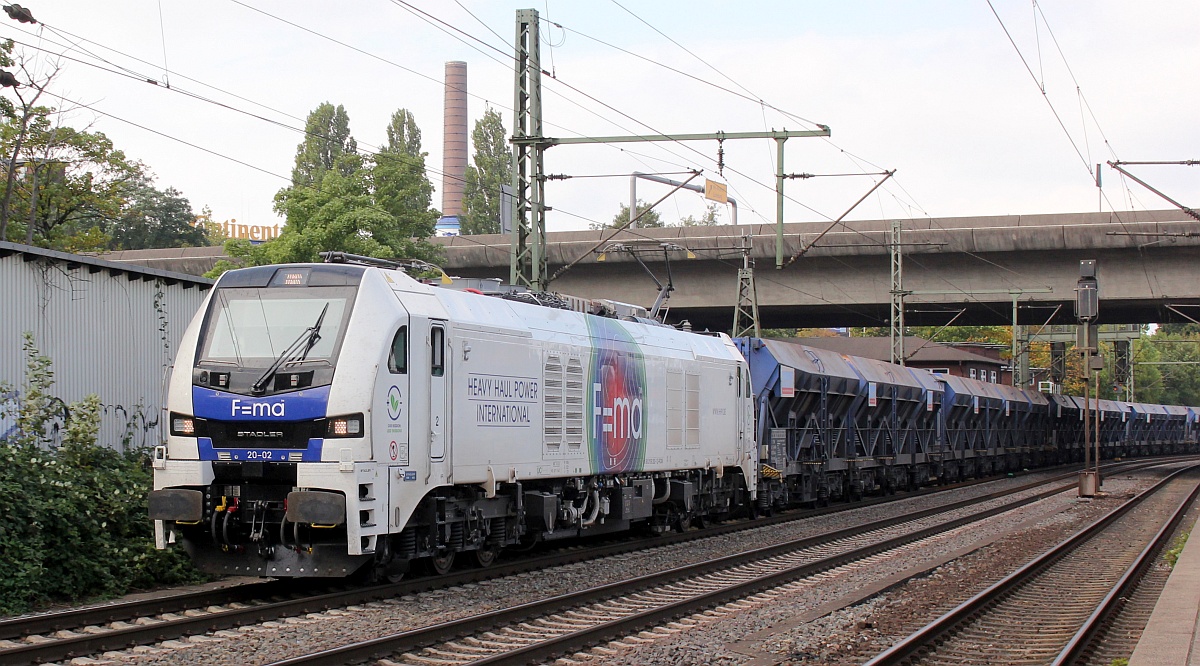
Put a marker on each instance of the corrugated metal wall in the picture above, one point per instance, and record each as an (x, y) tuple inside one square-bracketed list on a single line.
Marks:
[(108, 332)]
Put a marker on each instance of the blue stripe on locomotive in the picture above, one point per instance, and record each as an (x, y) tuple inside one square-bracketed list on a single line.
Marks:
[(305, 405), (311, 453)]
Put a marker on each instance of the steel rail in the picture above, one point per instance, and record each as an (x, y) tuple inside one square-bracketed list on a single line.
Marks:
[(115, 639), (25, 625), (1116, 597), (87, 644), (434, 634), (910, 646), (41, 623)]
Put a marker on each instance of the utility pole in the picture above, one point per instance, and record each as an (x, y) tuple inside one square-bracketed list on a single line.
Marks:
[(527, 252), (1018, 376), (779, 176), (899, 293), (1123, 367), (897, 318), (747, 297)]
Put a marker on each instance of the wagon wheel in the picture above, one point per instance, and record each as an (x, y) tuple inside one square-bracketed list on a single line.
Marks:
[(486, 556), (679, 524), (442, 563)]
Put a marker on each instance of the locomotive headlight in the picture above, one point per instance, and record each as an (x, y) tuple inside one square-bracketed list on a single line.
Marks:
[(345, 426), (183, 426)]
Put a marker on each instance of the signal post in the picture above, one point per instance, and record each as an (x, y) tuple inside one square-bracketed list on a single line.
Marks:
[(1087, 309)]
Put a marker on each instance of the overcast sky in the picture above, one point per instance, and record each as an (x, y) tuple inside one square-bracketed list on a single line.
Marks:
[(934, 90)]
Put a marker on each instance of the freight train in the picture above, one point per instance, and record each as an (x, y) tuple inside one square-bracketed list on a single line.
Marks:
[(345, 418)]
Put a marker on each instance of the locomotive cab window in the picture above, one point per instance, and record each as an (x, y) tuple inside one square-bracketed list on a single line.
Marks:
[(437, 357), (398, 356), (253, 327)]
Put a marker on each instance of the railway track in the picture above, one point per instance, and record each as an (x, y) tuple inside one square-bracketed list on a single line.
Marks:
[(541, 630), (1052, 609), (1120, 633), (93, 630)]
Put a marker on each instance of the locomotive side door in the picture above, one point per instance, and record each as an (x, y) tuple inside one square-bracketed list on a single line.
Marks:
[(747, 447), (439, 375), (745, 414), (394, 399)]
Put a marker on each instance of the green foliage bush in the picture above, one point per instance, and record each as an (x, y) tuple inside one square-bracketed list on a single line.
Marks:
[(74, 522), (1176, 549)]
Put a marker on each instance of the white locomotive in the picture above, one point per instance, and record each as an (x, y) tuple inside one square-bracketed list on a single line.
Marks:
[(328, 418)]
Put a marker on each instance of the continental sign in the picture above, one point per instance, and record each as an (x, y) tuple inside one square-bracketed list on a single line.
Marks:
[(231, 229)]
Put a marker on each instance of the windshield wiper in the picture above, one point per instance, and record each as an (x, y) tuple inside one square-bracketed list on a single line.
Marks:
[(296, 352)]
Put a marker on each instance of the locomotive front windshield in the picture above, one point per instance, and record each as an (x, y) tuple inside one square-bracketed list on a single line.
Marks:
[(253, 327)]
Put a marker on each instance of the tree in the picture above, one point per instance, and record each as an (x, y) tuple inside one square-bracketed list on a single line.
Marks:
[(69, 186), (1147, 379), (492, 170), (1177, 380), (1001, 335), (20, 117), (156, 219), (79, 185), (7, 110), (376, 207), (327, 138), (72, 189), (403, 135), (708, 219), (1185, 330), (799, 333), (398, 178), (649, 219), (338, 214)]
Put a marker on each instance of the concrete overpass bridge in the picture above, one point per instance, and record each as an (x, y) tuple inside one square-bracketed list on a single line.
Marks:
[(1149, 269)]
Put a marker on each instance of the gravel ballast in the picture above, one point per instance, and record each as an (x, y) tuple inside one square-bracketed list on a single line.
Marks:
[(805, 622)]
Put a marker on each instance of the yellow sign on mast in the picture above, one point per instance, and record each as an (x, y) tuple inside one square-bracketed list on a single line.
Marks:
[(714, 191)]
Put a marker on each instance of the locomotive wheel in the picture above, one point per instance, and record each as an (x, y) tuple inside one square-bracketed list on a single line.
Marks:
[(485, 557), (394, 571), (374, 574), (679, 525), (442, 563)]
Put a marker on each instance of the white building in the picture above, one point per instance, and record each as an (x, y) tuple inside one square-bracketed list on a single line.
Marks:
[(110, 328)]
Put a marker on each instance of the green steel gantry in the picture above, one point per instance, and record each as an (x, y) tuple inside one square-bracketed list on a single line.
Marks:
[(528, 250)]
